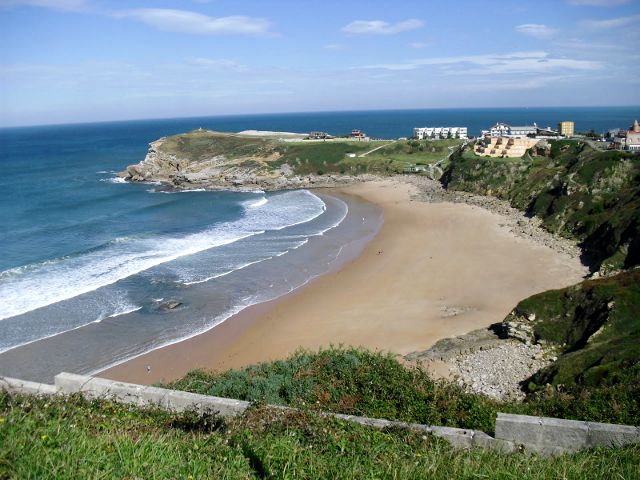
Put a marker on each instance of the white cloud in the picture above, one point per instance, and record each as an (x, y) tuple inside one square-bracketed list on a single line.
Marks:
[(511, 63), (185, 21), (218, 64), (380, 27), (71, 5), (334, 46), (519, 84), (536, 30), (599, 3), (611, 23)]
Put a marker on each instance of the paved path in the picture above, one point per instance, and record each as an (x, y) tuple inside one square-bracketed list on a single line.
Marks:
[(437, 165), (377, 148)]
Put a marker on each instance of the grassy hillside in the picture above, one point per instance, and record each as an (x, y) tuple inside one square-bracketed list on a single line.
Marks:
[(74, 438), (370, 384), (353, 381), (578, 192), (321, 157), (595, 327), (308, 157), (201, 145)]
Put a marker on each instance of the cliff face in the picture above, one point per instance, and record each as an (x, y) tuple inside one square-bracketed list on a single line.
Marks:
[(593, 326), (154, 166), (578, 192)]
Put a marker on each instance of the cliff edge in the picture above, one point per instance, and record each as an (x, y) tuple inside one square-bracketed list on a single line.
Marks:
[(214, 160)]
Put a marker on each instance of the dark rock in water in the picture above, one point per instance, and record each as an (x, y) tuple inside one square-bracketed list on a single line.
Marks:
[(170, 305)]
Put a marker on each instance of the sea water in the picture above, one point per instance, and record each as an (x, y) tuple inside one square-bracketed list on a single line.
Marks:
[(88, 263)]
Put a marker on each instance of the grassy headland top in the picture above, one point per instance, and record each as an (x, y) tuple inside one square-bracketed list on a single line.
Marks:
[(218, 160)]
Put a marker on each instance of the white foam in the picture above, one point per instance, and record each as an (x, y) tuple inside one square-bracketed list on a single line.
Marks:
[(27, 288), (192, 279), (247, 302), (170, 192), (114, 180), (224, 274), (123, 312), (259, 203)]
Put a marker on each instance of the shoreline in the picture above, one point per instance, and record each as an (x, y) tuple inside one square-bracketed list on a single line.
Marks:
[(227, 329), (400, 294), (199, 346)]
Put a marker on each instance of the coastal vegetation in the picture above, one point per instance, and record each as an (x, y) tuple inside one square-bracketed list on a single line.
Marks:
[(351, 381), (372, 384), (214, 159), (306, 157), (76, 438), (384, 158), (594, 328)]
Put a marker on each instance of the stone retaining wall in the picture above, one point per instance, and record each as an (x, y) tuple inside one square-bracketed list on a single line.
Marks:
[(546, 436), (140, 395), (553, 435)]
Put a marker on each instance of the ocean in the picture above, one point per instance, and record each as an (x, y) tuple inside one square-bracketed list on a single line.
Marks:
[(88, 263)]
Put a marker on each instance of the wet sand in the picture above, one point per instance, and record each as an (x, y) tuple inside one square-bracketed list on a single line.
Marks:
[(435, 270)]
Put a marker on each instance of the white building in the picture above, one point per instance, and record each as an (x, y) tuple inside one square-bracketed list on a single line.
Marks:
[(434, 133), (505, 130)]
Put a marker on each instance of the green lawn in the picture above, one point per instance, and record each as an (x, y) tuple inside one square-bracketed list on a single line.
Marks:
[(417, 152), (320, 157), (77, 439), (202, 145)]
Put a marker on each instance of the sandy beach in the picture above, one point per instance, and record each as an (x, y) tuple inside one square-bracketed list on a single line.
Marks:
[(435, 270)]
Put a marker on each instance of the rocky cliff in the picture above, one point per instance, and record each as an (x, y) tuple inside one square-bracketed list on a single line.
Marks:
[(593, 327), (206, 159)]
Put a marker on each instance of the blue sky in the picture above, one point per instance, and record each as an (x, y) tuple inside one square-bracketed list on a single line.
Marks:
[(90, 60)]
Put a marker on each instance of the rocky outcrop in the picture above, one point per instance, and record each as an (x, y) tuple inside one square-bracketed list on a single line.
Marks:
[(219, 172), (488, 361)]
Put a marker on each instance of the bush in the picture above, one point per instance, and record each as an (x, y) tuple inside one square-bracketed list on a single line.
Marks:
[(351, 381)]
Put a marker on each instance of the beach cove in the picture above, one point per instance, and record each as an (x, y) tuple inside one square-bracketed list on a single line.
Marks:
[(434, 270)]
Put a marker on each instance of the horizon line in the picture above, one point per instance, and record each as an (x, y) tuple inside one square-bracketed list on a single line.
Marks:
[(124, 120)]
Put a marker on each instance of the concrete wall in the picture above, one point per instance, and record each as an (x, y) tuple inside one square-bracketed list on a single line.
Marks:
[(140, 395), (24, 387), (553, 435), (547, 436)]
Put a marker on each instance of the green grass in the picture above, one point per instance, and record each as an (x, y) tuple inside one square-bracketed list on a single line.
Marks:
[(360, 382), (74, 438), (331, 157), (416, 152), (202, 145), (596, 329), (320, 157), (308, 158), (351, 381), (77, 439)]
